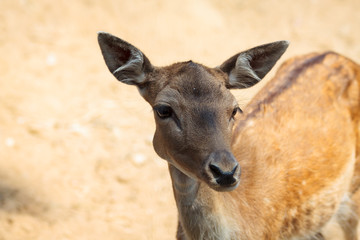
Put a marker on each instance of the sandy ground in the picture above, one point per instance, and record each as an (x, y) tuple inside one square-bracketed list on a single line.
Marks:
[(76, 160)]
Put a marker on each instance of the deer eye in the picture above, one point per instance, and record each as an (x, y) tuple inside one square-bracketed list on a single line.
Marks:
[(163, 111), (235, 111)]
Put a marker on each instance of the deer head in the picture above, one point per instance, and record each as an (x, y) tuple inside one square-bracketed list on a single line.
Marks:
[(193, 108)]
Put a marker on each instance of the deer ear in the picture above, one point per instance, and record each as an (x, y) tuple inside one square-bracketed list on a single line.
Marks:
[(247, 68), (127, 63)]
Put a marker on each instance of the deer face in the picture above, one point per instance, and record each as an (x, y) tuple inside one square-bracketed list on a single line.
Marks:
[(194, 115), (193, 107)]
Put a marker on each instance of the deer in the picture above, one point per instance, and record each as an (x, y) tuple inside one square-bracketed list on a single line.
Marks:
[(286, 166)]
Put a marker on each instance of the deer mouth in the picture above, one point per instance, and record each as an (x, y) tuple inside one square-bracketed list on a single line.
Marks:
[(224, 188)]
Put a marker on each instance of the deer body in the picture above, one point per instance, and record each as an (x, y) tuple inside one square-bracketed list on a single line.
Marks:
[(285, 168), (296, 144)]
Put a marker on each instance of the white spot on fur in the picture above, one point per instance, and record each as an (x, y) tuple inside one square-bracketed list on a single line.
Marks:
[(251, 123), (293, 212), (266, 201)]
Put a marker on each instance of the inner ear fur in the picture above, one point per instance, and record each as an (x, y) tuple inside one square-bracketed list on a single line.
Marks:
[(247, 68), (127, 63)]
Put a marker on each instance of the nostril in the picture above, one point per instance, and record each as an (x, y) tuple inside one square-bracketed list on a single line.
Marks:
[(216, 171)]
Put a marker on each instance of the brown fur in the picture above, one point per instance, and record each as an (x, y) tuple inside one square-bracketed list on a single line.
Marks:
[(296, 143)]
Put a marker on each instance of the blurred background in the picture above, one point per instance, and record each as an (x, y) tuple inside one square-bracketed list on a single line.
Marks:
[(76, 160)]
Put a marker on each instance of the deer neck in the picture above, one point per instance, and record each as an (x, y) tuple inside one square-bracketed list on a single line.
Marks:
[(185, 188), (199, 208)]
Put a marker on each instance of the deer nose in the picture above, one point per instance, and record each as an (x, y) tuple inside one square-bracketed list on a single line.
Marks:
[(224, 178), (224, 168)]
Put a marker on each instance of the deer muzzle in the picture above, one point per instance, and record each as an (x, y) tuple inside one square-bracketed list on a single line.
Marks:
[(223, 171)]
